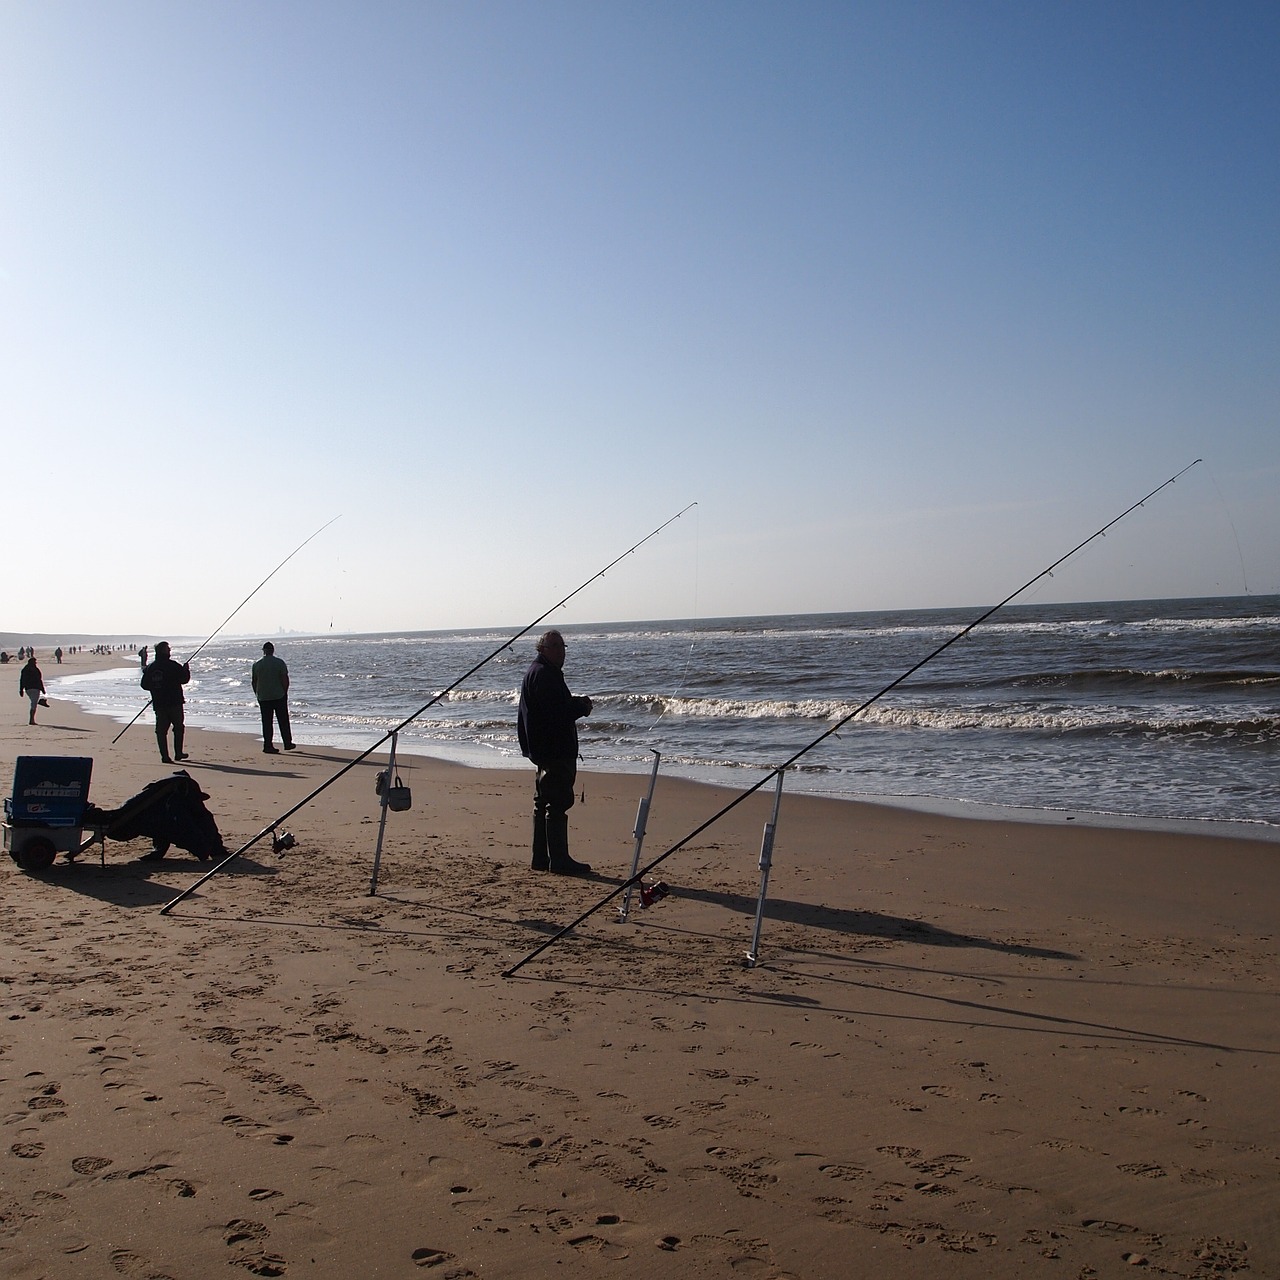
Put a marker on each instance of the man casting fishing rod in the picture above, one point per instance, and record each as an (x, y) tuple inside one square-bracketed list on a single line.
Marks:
[(163, 679)]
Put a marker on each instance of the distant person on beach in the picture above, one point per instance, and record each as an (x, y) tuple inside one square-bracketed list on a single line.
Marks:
[(142, 656), (31, 683), (163, 678), (270, 679), (548, 733)]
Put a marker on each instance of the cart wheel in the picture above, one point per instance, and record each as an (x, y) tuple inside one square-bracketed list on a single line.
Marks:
[(37, 854)]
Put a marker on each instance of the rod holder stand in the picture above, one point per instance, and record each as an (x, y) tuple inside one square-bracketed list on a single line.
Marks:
[(766, 865), (642, 821), (383, 805)]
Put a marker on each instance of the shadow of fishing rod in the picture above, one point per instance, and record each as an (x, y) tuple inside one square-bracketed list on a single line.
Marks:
[(229, 616), (431, 702), (832, 729)]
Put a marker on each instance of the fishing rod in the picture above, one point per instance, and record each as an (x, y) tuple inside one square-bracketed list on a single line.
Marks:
[(834, 728), (231, 615), (364, 755)]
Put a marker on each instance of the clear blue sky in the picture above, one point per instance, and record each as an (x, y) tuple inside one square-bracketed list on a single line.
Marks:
[(908, 297)]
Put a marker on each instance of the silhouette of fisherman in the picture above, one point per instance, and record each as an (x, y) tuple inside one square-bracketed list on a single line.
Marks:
[(163, 678), (548, 733)]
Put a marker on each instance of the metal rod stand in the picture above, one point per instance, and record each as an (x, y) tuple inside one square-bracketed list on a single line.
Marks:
[(642, 821), (766, 864), (382, 821)]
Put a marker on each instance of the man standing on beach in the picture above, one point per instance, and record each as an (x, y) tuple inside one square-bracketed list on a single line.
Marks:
[(270, 679), (548, 733), (31, 683), (163, 678)]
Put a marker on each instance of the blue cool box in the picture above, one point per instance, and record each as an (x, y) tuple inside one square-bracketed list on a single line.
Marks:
[(50, 791)]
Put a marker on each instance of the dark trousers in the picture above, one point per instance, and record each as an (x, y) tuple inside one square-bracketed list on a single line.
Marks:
[(167, 718), (553, 789), (279, 708), (552, 800)]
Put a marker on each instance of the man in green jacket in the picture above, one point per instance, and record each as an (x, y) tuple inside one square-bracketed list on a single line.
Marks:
[(271, 688)]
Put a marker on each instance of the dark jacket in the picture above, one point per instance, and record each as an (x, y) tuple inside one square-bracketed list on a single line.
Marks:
[(163, 678), (547, 726), (30, 678)]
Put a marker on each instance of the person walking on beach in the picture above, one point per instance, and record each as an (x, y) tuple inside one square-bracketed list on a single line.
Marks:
[(270, 679), (31, 683), (163, 678), (548, 732)]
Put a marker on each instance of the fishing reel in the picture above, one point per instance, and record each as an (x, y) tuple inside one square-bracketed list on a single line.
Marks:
[(281, 841), (651, 893)]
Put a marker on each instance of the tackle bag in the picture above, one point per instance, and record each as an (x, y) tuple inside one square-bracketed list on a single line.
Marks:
[(168, 812)]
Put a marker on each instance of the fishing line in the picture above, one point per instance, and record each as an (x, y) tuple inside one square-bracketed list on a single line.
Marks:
[(693, 643), (832, 729), (431, 702), (232, 614), (1244, 577)]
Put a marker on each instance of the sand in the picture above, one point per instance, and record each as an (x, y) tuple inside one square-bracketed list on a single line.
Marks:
[(968, 1048)]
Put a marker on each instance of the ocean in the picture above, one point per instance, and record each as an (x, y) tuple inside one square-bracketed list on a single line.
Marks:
[(1156, 709)]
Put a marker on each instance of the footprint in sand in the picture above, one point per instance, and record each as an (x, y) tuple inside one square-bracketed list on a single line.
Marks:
[(599, 1247), (238, 1230), (128, 1263), (903, 1153), (90, 1164), (427, 1257), (943, 1166), (127, 1175), (1104, 1224), (27, 1150), (262, 1264), (933, 1189), (254, 1129)]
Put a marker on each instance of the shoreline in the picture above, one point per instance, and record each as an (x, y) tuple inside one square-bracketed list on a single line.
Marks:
[(943, 807), (981, 1049)]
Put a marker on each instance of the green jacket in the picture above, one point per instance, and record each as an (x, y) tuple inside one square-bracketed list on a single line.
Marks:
[(270, 678)]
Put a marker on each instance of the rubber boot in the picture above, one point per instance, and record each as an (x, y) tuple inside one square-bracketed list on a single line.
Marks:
[(558, 848), (540, 860), (163, 742), (177, 744)]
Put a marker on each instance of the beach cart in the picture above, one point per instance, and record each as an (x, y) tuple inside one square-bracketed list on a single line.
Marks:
[(49, 813), (45, 815)]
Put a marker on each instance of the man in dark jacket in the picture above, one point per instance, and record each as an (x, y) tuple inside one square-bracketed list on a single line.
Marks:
[(163, 678), (548, 734)]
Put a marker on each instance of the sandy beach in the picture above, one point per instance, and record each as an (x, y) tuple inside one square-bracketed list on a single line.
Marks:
[(969, 1048)]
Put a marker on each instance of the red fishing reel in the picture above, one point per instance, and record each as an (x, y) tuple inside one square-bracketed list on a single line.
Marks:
[(651, 893)]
